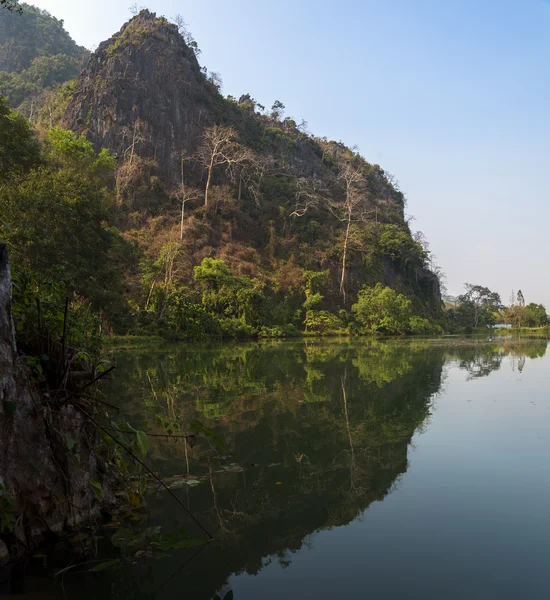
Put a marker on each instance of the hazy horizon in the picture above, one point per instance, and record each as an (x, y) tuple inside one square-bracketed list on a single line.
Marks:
[(450, 99)]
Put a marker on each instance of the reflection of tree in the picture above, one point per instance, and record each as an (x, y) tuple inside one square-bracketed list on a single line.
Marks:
[(482, 358), (304, 465), (381, 363)]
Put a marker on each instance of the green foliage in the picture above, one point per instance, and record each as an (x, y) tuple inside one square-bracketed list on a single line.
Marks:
[(96, 488), (191, 320), (532, 315), (135, 33), (213, 272), (18, 149), (382, 310), (477, 306), (43, 73), (536, 315), (36, 53), (420, 326), (322, 322), (395, 241), (56, 216)]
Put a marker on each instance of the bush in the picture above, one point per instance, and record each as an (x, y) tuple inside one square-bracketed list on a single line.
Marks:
[(191, 320), (321, 321), (279, 331), (420, 326), (382, 310), (236, 329)]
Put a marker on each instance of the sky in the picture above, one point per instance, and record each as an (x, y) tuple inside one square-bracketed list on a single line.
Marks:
[(451, 97)]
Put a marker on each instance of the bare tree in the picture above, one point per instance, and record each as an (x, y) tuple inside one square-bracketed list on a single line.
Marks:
[(127, 171), (135, 8), (132, 136), (352, 208), (183, 29), (215, 79), (249, 173), (310, 194), (184, 194), (219, 146)]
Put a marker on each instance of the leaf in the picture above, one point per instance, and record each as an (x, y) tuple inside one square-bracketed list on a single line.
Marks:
[(143, 443), (279, 483), (178, 544), (134, 499), (122, 537), (106, 565), (97, 488), (70, 443)]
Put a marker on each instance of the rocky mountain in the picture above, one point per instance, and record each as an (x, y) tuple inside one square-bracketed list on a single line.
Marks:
[(218, 216), (145, 97), (144, 84)]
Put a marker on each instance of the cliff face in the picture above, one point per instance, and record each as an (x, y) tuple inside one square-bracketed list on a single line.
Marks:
[(143, 91), (50, 490)]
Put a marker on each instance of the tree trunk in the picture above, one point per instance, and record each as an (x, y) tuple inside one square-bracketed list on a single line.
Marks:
[(343, 279), (210, 169), (182, 216)]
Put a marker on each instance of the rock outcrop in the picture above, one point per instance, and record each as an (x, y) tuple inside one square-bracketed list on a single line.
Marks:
[(143, 90), (40, 480)]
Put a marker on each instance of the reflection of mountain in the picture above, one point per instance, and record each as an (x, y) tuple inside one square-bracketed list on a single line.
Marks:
[(319, 431)]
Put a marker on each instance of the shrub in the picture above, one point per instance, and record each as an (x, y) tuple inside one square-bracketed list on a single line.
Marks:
[(382, 310), (321, 321), (420, 326)]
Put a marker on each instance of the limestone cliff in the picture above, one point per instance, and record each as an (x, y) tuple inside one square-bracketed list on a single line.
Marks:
[(143, 90)]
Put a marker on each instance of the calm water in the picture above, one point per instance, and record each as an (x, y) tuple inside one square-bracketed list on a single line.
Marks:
[(382, 470)]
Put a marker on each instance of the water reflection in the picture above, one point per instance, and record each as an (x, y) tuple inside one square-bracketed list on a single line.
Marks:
[(316, 431)]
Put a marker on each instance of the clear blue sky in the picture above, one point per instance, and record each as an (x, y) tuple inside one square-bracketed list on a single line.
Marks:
[(451, 96)]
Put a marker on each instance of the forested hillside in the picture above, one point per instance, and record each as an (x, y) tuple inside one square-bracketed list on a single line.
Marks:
[(36, 54), (169, 208)]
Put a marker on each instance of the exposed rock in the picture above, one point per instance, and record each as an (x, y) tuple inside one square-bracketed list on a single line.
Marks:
[(49, 487), (143, 86)]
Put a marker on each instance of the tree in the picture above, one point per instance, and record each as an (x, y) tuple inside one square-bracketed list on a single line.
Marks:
[(219, 146), (250, 172), (215, 79), (277, 110), (535, 315), (18, 148), (183, 29), (184, 194), (382, 310), (515, 315), (352, 208), (12, 5), (55, 216), (478, 304)]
